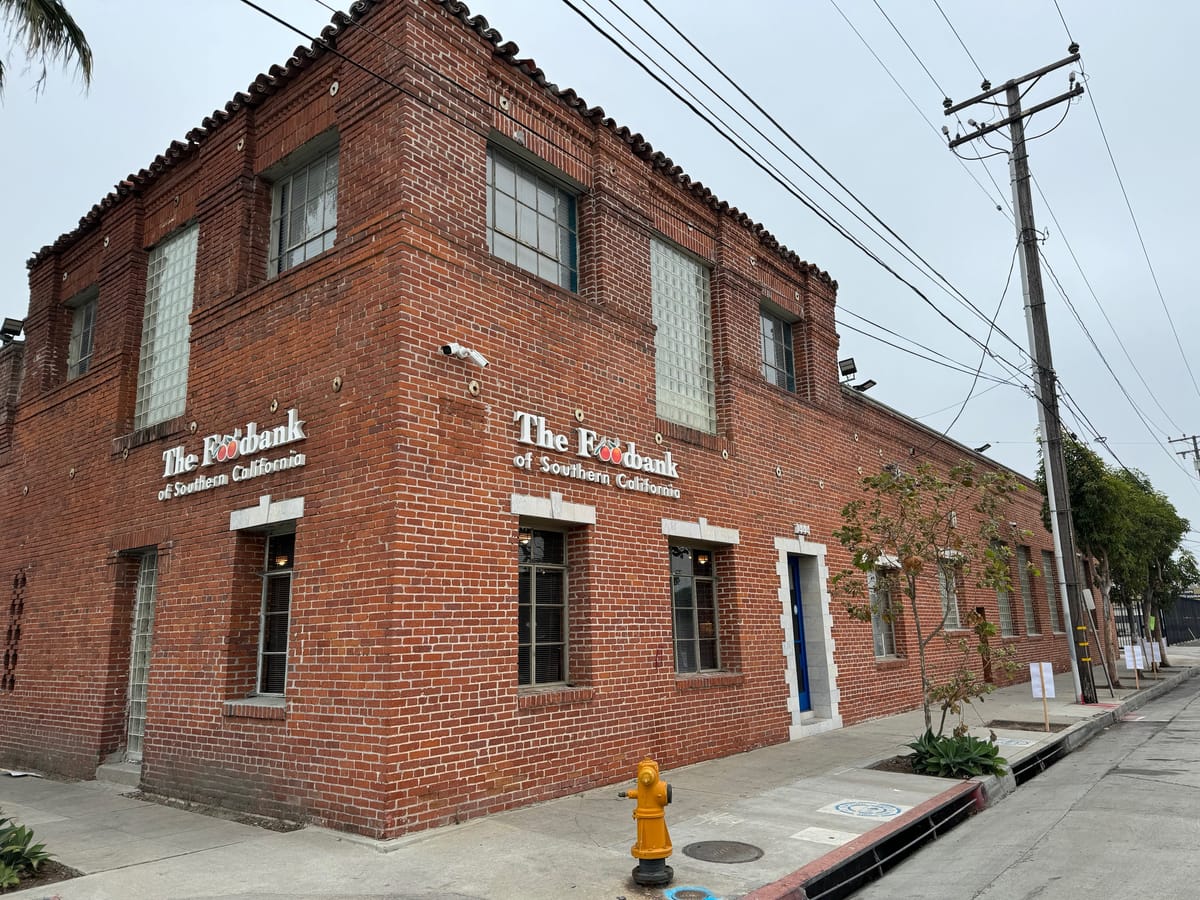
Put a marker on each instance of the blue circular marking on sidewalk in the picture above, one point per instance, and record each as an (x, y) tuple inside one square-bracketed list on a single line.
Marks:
[(867, 810), (685, 892)]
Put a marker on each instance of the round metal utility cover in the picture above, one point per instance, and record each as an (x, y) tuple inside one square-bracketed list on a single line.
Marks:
[(723, 851)]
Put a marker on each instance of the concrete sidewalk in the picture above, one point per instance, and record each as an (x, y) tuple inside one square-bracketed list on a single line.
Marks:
[(809, 805)]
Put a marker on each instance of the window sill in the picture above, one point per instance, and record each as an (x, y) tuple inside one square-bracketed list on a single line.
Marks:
[(701, 681), (147, 435), (270, 708), (889, 662), (539, 698)]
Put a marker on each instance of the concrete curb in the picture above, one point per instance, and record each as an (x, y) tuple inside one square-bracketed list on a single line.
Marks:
[(988, 791)]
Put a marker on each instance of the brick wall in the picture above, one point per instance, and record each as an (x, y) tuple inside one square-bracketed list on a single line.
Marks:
[(402, 708)]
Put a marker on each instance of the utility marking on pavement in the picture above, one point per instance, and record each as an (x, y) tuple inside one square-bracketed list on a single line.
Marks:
[(864, 809), (1015, 742), (1131, 718), (825, 836), (684, 892), (718, 818)]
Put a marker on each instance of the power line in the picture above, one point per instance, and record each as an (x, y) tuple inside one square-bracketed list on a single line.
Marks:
[(960, 40), (799, 195), (1091, 94), (954, 292), (1087, 283), (921, 113)]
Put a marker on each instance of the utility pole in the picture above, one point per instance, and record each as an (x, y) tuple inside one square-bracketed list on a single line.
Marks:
[(1039, 347), (1195, 451)]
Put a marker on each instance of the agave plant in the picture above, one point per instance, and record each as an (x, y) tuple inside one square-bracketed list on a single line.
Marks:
[(956, 756)]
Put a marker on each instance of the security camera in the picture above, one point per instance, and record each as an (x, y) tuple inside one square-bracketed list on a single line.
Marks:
[(465, 353)]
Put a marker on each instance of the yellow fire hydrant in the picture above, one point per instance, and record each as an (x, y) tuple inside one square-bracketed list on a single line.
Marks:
[(653, 844)]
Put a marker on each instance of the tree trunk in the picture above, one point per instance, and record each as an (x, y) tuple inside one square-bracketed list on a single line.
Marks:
[(1104, 577), (916, 614)]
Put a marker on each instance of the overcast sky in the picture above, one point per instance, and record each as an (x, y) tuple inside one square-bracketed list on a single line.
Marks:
[(160, 67)]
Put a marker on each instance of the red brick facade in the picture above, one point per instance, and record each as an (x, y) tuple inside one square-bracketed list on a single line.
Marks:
[(402, 708)]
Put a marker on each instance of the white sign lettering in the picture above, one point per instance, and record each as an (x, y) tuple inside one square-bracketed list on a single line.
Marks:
[(589, 445), (221, 448)]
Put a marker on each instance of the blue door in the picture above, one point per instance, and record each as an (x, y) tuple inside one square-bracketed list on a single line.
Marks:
[(798, 633)]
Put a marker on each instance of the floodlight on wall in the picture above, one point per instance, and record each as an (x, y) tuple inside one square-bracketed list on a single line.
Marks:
[(983, 448), (864, 385), (10, 329), (847, 367)]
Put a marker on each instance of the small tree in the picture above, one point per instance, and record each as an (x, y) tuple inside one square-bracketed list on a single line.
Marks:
[(906, 527)]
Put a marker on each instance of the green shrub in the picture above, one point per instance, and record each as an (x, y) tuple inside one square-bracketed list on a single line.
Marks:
[(9, 877), (958, 756), (18, 853)]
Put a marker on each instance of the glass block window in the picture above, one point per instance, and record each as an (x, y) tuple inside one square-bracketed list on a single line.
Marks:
[(304, 212), (163, 362), (694, 609), (531, 221), (778, 363), (83, 324), (276, 613), (1050, 578), (883, 626), (683, 354), (1004, 604), (948, 589), (1026, 591), (541, 607), (139, 657)]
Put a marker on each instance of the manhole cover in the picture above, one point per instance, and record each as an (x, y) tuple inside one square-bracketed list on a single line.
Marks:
[(723, 851)]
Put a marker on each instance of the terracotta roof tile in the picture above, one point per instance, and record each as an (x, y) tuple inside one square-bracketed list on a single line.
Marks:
[(277, 77)]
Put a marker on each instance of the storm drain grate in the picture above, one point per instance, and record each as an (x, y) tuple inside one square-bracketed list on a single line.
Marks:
[(723, 851)]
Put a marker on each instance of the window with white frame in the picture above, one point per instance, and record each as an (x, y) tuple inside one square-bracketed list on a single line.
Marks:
[(683, 352), (83, 324), (304, 211), (276, 613), (883, 625), (694, 609), (541, 607), (1026, 590), (1050, 577), (948, 588), (163, 361), (531, 221), (778, 365)]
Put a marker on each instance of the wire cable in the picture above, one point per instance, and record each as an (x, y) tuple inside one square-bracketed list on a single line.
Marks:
[(960, 40)]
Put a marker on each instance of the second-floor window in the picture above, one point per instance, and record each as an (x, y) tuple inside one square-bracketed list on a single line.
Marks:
[(304, 212), (163, 362), (531, 221), (778, 365), (83, 325), (683, 351)]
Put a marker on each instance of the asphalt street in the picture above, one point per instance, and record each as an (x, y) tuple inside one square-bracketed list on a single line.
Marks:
[(1117, 818)]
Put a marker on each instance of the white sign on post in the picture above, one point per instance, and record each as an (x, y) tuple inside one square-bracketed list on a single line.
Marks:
[(1041, 677), (1156, 653), (1134, 658)]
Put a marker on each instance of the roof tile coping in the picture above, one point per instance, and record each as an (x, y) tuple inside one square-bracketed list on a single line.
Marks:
[(269, 83)]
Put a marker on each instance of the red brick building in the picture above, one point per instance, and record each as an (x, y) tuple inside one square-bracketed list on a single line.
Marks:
[(278, 536)]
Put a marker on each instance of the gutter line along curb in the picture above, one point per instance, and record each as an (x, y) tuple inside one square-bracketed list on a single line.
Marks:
[(990, 790)]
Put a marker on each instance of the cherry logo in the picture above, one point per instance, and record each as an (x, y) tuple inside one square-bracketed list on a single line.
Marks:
[(610, 451), (227, 450)]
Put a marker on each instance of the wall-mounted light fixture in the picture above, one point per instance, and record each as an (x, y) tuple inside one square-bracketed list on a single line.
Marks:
[(864, 385), (10, 329), (847, 367), (453, 349), (983, 448)]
